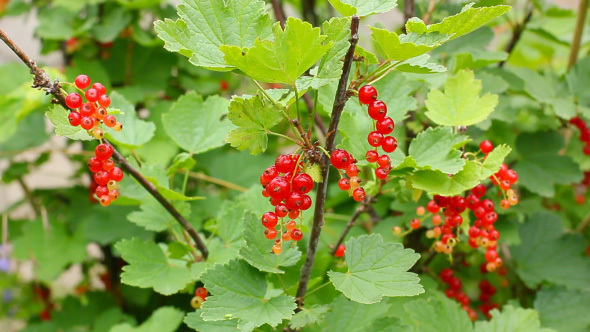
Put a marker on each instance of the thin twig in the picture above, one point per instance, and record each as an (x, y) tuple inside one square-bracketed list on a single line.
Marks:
[(516, 34), (357, 213), (318, 218), (220, 182), (585, 222), (429, 11), (279, 12), (317, 117), (409, 12), (30, 197), (43, 81), (577, 40)]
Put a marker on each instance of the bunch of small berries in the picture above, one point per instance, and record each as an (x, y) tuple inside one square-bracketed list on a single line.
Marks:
[(455, 291), (344, 161), (106, 175), (487, 291), (384, 126), (584, 133), (452, 207), (89, 115), (287, 186), (200, 297)]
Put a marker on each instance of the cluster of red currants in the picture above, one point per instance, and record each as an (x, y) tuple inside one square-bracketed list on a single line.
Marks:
[(487, 291), (89, 115), (200, 297), (287, 186), (106, 175), (384, 126), (455, 291), (581, 188), (584, 133), (505, 177), (344, 161)]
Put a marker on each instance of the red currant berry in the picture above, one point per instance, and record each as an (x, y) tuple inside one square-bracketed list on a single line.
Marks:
[(270, 233), (91, 95), (104, 200), (367, 94), (511, 176), (275, 201), (100, 89), (358, 194), (113, 194), (474, 231), (95, 165), (487, 204), (385, 125), (384, 160), (344, 184), (341, 159), (372, 156), (505, 184), (116, 174), (340, 251), (202, 292), (87, 123), (87, 109), (375, 138), (306, 203), (294, 201), (74, 118), (110, 121), (279, 187), (455, 283), (479, 190), (415, 223), (446, 275), (73, 100), (302, 183), (293, 214), (389, 144), (101, 191), (281, 210), (494, 235), (102, 178), (296, 234), (265, 193), (381, 173), (432, 207), (82, 81), (352, 170), (103, 151), (284, 163), (486, 146), (377, 110), (104, 101), (269, 219), (491, 255), (472, 201)]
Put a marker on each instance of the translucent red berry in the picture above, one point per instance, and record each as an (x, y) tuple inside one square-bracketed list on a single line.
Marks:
[(358, 194), (102, 178), (381, 173), (302, 183), (116, 174), (415, 223), (372, 156), (94, 164), (74, 100), (101, 191), (367, 94), (281, 210), (296, 234), (100, 89), (91, 95), (74, 118), (294, 201), (87, 122), (486, 146), (375, 138), (104, 101), (305, 203), (340, 251), (389, 144), (269, 220), (479, 190), (446, 275), (284, 163), (344, 184), (103, 151), (384, 160), (385, 126), (110, 121), (341, 159), (377, 110), (352, 170), (202, 292), (279, 188), (82, 81)]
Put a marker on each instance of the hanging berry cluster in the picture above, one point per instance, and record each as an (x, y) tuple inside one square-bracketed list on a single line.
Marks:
[(581, 188), (200, 297), (455, 291), (344, 161), (487, 291), (384, 126), (584, 133), (287, 186), (89, 116)]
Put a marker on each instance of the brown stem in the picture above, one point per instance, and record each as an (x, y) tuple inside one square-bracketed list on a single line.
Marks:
[(43, 81), (279, 12), (30, 197), (349, 224), (429, 11), (516, 34), (309, 11), (302, 133), (409, 11), (318, 217), (581, 18)]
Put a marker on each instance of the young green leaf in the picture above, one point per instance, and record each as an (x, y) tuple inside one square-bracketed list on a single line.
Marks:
[(59, 117), (149, 268), (254, 118), (206, 25), (164, 319), (468, 20), (437, 149), (578, 78), (196, 125), (402, 47), (437, 182), (183, 161), (258, 251), (154, 217), (363, 7), (420, 65), (376, 269), (238, 291), (293, 51), (512, 319), (350, 316), (136, 132), (460, 104), (307, 316), (563, 309), (196, 322), (436, 314)]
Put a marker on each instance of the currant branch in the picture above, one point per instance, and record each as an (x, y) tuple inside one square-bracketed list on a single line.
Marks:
[(43, 81), (340, 99)]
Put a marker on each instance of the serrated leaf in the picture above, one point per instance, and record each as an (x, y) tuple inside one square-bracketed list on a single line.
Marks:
[(196, 322), (468, 20), (206, 25), (512, 320), (219, 253), (437, 182), (315, 171), (149, 268), (329, 69), (293, 51), (307, 316), (164, 319), (436, 314), (59, 117), (376, 269), (258, 252), (363, 7), (547, 254), (402, 47), (135, 132), (420, 65), (240, 292), (196, 125), (494, 160), (350, 316), (460, 104), (562, 309), (254, 118), (230, 222), (154, 217), (182, 161), (437, 149), (578, 78)]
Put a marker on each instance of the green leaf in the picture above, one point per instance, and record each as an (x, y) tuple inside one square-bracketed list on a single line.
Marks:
[(468, 20), (183, 161), (436, 314), (112, 22), (437, 182), (350, 316), (541, 167), (154, 217), (258, 252), (164, 319), (307, 316), (420, 65), (363, 7), (437, 149), (196, 322), (578, 78), (562, 309), (512, 320), (460, 104), (376, 269), (254, 118), (204, 26), (547, 254), (494, 160), (329, 69), (238, 291), (196, 125), (315, 171), (149, 268), (135, 132), (402, 47), (59, 117), (293, 51)]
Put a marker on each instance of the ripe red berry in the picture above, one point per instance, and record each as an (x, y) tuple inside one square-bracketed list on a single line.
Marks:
[(202, 292), (87, 109), (381, 173), (101, 191), (82, 81), (432, 207), (116, 174), (74, 118), (73, 100), (474, 231), (367, 94), (385, 125), (511, 176), (270, 233), (294, 214), (279, 188), (341, 159), (358, 194), (104, 101), (95, 165), (455, 283), (113, 194), (87, 123), (281, 210), (352, 170), (100, 89), (372, 156), (479, 190), (344, 184), (102, 178), (384, 160), (91, 95), (446, 275), (340, 251), (302, 183), (269, 219), (296, 234), (375, 138), (487, 204), (486, 146), (377, 110), (284, 163), (415, 223), (305, 203), (110, 121), (294, 201), (103, 151), (491, 255), (265, 193)]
